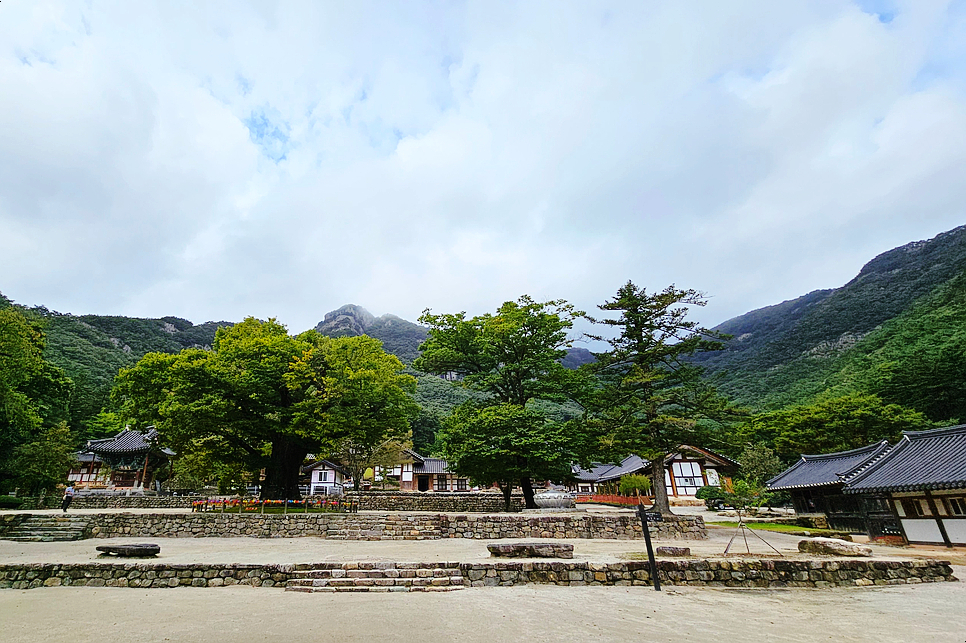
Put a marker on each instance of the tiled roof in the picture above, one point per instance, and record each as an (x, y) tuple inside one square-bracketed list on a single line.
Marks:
[(828, 468), (325, 464), (923, 460), (605, 472), (431, 465), (127, 441)]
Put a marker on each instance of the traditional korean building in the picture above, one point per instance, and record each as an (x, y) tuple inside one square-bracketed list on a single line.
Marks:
[(420, 473), (924, 479), (326, 478), (131, 456), (816, 484), (687, 470)]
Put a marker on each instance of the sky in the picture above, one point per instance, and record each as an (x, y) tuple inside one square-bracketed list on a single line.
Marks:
[(279, 159)]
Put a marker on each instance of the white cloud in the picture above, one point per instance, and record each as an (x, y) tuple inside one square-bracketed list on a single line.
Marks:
[(219, 160)]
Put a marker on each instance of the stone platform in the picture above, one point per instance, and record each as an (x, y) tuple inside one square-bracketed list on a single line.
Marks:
[(384, 576), (531, 550)]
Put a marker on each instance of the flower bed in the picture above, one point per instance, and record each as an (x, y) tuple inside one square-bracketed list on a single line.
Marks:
[(253, 506), (608, 499)]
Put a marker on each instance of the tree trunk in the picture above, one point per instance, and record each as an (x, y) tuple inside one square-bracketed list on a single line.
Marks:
[(658, 487), (507, 489), (282, 472), (527, 489)]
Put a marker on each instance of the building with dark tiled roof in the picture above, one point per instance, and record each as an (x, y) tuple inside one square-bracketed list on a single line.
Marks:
[(687, 470), (131, 456), (924, 477), (816, 483)]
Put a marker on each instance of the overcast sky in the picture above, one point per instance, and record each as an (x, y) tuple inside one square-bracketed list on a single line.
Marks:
[(217, 160)]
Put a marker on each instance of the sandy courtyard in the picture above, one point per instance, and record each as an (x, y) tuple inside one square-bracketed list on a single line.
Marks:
[(933, 613)]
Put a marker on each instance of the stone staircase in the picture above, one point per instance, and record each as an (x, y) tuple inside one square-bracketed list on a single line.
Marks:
[(49, 528), (377, 577)]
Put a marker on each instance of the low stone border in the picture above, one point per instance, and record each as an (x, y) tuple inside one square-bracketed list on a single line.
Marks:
[(390, 526), (30, 576), (442, 501), (739, 573), (111, 502)]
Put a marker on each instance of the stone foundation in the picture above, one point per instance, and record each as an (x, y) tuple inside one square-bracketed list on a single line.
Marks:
[(389, 526), (746, 573), (111, 502), (436, 501)]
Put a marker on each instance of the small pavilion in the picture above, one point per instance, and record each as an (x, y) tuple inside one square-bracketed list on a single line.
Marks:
[(132, 456)]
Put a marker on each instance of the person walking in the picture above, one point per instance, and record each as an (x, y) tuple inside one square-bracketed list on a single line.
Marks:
[(68, 496)]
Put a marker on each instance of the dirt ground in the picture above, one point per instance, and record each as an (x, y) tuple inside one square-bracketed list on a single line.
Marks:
[(535, 614)]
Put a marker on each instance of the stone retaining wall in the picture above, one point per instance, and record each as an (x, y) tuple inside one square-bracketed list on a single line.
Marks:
[(389, 526), (441, 501), (747, 573), (111, 502), (9, 522), (29, 576)]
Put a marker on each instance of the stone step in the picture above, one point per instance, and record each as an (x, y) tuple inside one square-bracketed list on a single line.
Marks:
[(49, 529), (310, 590)]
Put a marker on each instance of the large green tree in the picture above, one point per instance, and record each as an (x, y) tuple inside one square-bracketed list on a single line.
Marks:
[(34, 393), (505, 443), (650, 399), (511, 357), (831, 424), (262, 398)]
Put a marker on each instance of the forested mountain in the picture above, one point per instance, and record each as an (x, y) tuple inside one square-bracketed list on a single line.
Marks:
[(92, 348), (903, 318)]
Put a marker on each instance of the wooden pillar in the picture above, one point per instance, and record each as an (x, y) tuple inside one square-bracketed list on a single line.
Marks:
[(670, 474), (939, 518)]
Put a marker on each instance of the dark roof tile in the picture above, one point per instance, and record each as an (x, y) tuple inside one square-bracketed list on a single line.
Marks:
[(922, 460), (827, 469)]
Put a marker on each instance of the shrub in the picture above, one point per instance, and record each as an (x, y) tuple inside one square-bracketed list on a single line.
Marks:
[(10, 502), (634, 485), (712, 496)]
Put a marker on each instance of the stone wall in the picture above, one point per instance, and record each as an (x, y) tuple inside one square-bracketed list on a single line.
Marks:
[(111, 502), (746, 573), (9, 522), (441, 501), (29, 576), (749, 573), (389, 526)]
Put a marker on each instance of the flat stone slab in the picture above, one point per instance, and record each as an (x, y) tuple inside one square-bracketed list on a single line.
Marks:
[(833, 547), (673, 551), (138, 550), (532, 550)]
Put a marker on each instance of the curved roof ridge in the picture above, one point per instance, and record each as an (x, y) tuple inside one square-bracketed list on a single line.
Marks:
[(845, 454), (951, 430)]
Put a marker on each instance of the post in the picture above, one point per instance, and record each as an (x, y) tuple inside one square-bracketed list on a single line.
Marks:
[(650, 550)]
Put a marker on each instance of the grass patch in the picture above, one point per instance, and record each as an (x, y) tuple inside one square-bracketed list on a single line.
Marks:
[(793, 530)]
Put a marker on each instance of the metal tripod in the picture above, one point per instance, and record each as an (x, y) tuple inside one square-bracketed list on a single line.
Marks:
[(744, 530)]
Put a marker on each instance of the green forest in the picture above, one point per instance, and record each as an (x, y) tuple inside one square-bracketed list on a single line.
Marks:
[(831, 370)]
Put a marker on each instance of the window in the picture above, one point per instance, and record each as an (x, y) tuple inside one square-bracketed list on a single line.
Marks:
[(957, 506), (323, 476), (441, 483), (461, 484), (687, 477)]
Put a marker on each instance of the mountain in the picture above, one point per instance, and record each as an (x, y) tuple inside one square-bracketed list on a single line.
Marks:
[(791, 352), (398, 336)]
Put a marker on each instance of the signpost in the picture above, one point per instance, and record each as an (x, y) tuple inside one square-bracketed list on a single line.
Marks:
[(646, 517)]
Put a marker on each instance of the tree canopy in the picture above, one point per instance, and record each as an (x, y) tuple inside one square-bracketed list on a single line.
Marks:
[(649, 400), (264, 399), (34, 393), (512, 358)]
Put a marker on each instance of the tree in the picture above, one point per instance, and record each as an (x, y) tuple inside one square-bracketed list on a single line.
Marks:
[(264, 399), (512, 357), (505, 443), (42, 464), (33, 392), (759, 463), (831, 424), (650, 400)]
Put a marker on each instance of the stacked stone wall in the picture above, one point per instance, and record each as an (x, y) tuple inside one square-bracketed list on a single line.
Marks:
[(389, 526), (110, 502), (438, 501), (9, 522), (739, 573)]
